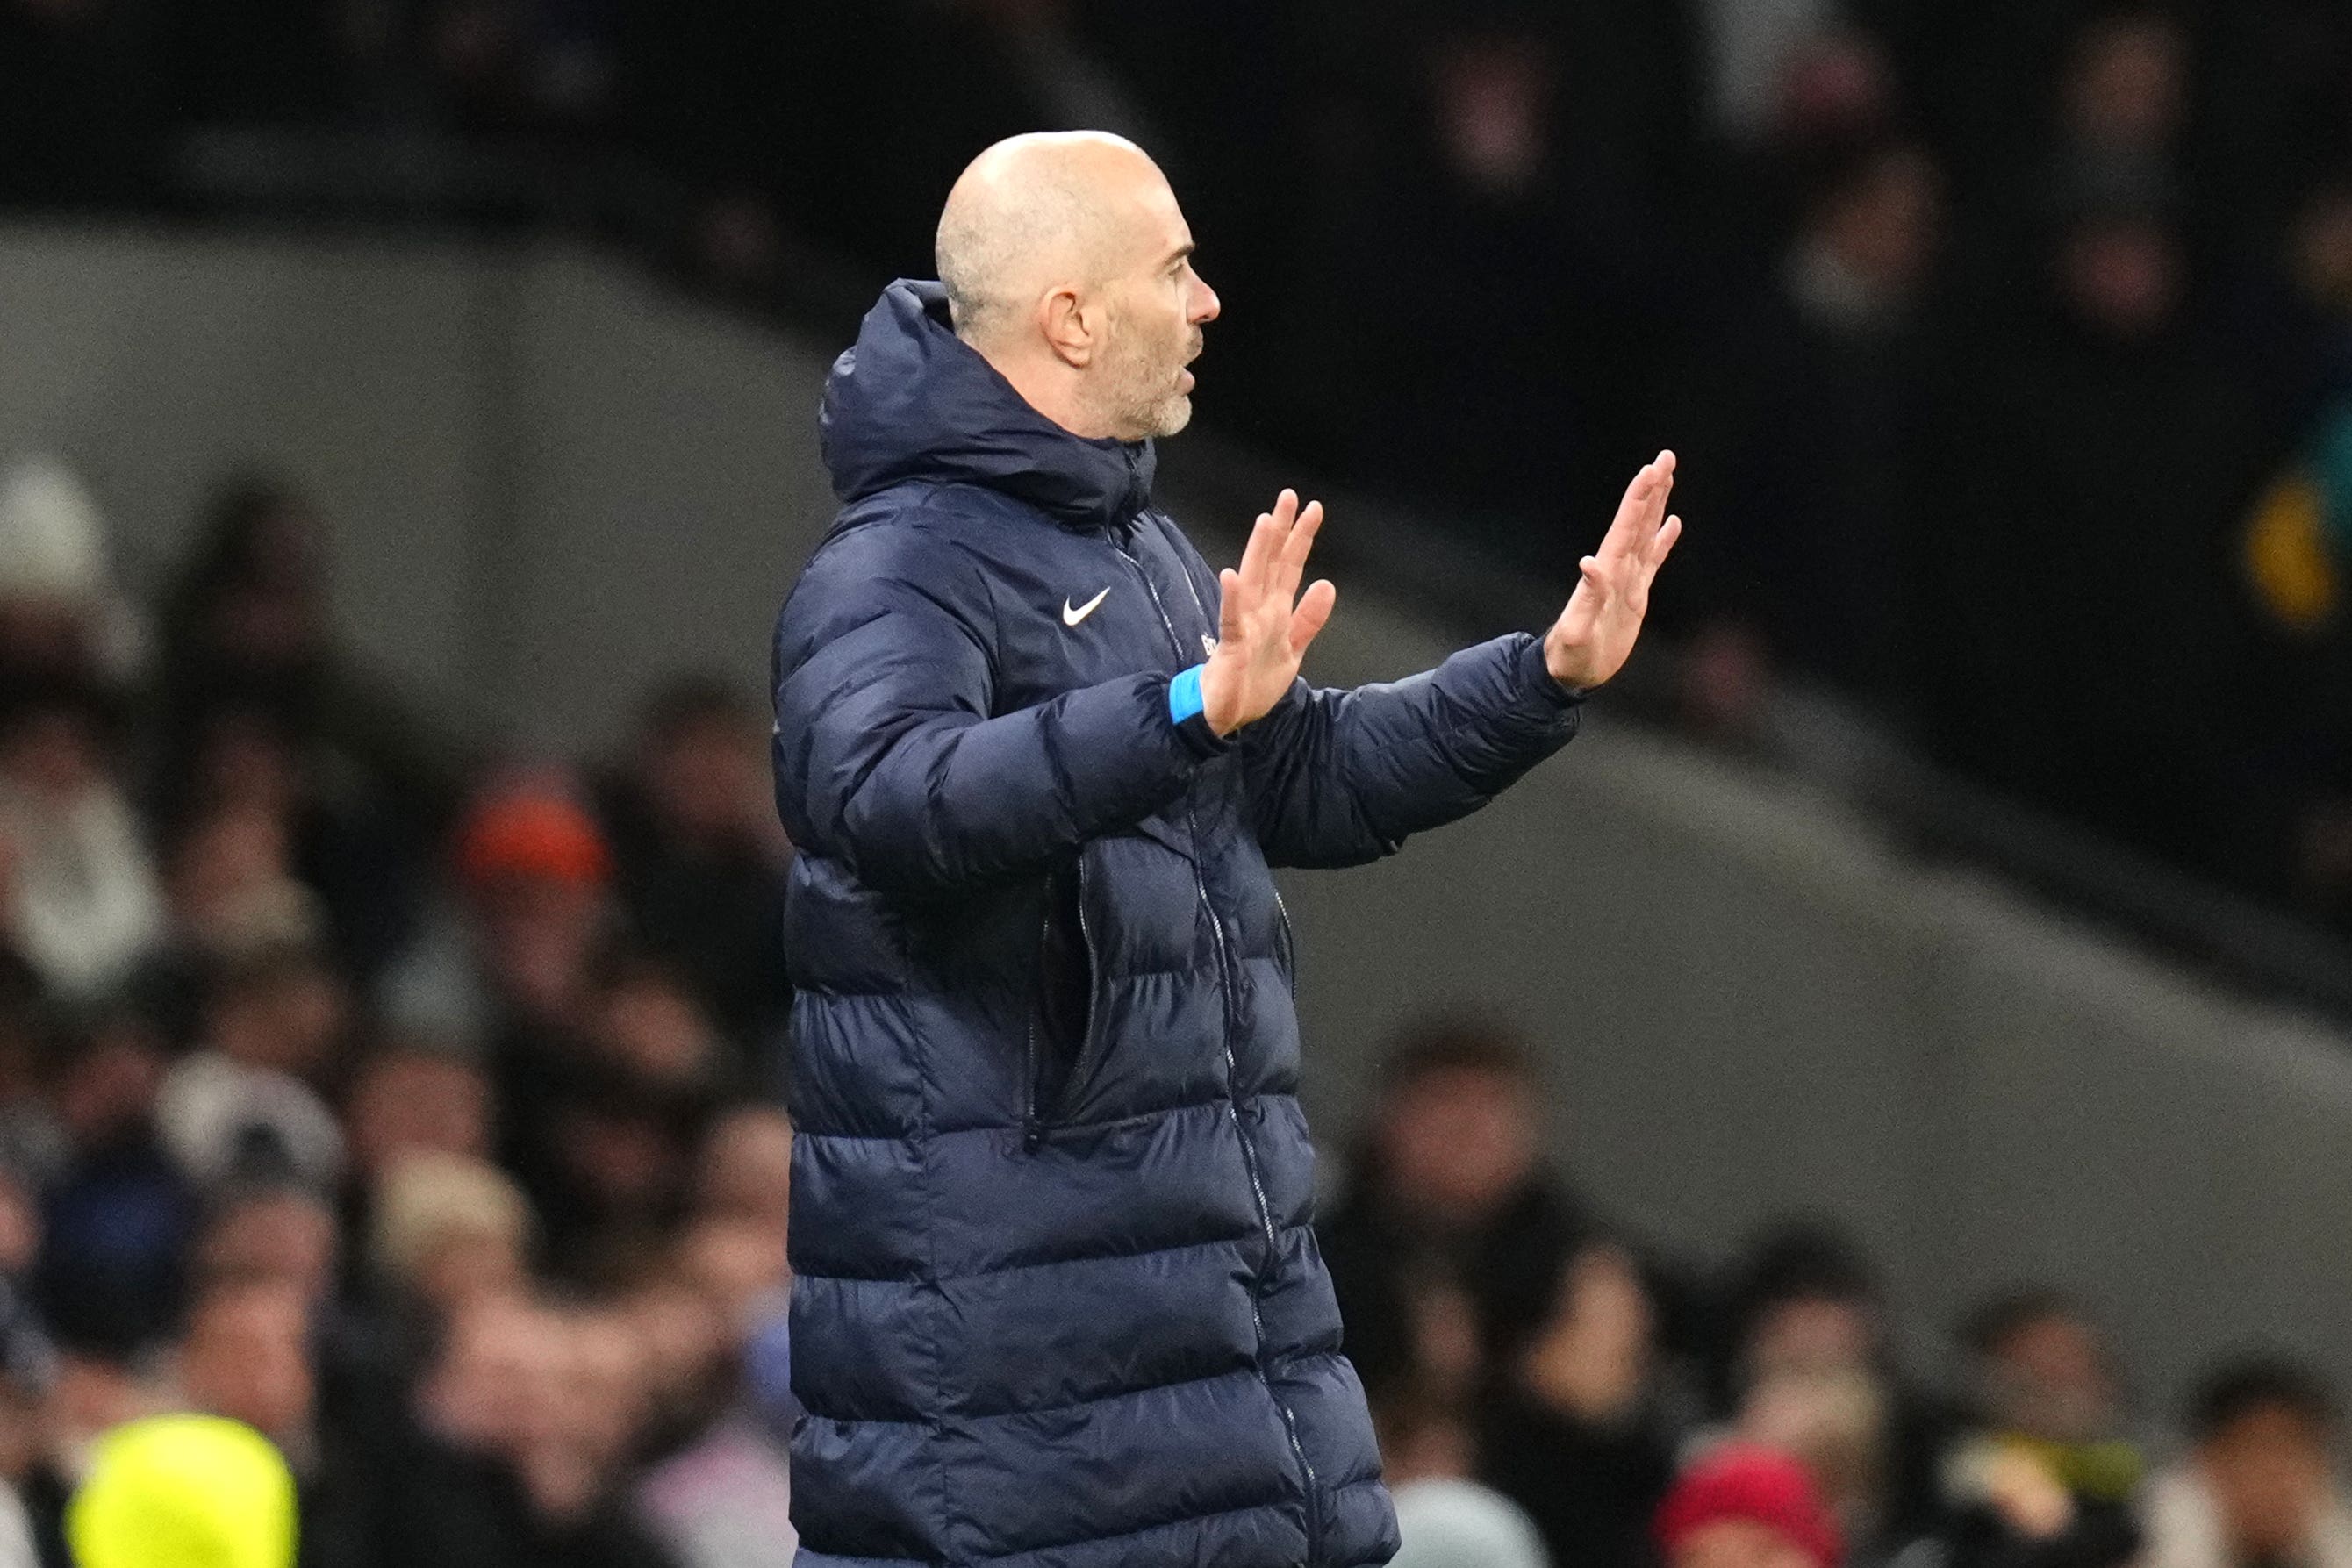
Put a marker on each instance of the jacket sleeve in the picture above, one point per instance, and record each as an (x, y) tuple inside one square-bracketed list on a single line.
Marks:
[(1339, 778), (889, 755)]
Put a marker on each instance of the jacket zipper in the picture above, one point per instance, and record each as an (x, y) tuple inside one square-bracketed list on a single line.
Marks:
[(1032, 1127), (1313, 1509), (1289, 945), (1086, 1030), (1033, 1121)]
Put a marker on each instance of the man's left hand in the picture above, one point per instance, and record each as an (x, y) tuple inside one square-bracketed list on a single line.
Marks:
[(1595, 635)]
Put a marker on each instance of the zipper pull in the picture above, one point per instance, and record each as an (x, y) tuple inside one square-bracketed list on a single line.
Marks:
[(1033, 1134)]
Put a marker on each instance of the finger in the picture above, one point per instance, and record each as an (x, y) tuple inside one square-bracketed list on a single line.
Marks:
[(1284, 519), (1643, 503), (1295, 549), (1263, 543), (1662, 545), (1314, 613), (1229, 609)]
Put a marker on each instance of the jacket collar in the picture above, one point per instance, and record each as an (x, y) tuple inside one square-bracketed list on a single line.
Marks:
[(913, 402)]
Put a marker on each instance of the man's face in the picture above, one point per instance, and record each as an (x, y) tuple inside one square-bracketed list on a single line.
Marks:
[(2049, 1379), (403, 1104), (2270, 1474), (1459, 1140), (1157, 306), (247, 1357)]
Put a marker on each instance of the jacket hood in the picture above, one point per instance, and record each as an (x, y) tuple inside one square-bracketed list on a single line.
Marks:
[(914, 402)]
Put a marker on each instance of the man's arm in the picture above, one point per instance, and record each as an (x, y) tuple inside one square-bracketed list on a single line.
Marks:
[(887, 755), (1338, 777)]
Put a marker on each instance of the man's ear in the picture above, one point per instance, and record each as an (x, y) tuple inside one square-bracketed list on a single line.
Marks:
[(1073, 328)]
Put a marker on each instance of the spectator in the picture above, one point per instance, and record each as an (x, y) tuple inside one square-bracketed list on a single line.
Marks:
[(230, 895), (245, 1357), (1572, 1428), (2260, 1486), (1810, 1372), (721, 1498), (2293, 553), (2108, 443), (1470, 1279), (1747, 1507), (1814, 475), (243, 1105), (354, 851), (84, 906), (699, 857), (247, 625), (747, 1168), (62, 618), (451, 1496), (412, 1097), (2045, 1479), (27, 1374), (1474, 188), (518, 1421), (116, 1215), (276, 1233), (1445, 1519), (2123, 106), (647, 1024), (2045, 1383), (450, 1232), (608, 1163), (1449, 1232), (508, 971), (406, 1097)]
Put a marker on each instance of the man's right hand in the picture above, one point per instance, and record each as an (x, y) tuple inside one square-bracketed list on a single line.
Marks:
[(1264, 624)]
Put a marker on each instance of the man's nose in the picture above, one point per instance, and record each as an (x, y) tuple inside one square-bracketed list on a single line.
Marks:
[(1208, 306)]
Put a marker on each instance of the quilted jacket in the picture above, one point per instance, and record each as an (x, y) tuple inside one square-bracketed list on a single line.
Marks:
[(1055, 1301)]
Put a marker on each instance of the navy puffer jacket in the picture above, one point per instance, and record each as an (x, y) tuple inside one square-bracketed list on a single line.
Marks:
[(1055, 1301)]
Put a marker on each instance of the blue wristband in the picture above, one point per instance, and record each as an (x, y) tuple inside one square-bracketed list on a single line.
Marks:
[(1187, 711), (1184, 696)]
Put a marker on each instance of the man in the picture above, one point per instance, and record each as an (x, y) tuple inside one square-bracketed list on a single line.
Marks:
[(1056, 1297), (2258, 1488)]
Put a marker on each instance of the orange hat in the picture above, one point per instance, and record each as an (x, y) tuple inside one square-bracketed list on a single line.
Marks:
[(544, 836)]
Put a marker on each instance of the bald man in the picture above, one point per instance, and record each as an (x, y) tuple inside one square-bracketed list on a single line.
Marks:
[(1056, 1299)]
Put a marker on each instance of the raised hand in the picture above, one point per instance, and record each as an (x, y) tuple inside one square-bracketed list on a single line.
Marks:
[(1595, 635), (1264, 624)]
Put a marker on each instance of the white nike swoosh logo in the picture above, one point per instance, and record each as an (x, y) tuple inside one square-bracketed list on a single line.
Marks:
[(1072, 617)]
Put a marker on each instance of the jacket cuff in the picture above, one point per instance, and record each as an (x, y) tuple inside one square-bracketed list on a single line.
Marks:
[(1536, 676), (1185, 712)]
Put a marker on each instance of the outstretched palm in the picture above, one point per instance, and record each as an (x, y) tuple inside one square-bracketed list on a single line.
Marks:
[(1595, 635), (1264, 625)]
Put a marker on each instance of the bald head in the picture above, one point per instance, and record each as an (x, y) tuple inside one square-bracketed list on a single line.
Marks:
[(1036, 211), (1066, 264)]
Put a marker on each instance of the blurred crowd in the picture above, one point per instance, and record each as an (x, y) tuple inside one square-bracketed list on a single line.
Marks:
[(1551, 1388), (2008, 343), (416, 1106), (420, 1108)]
